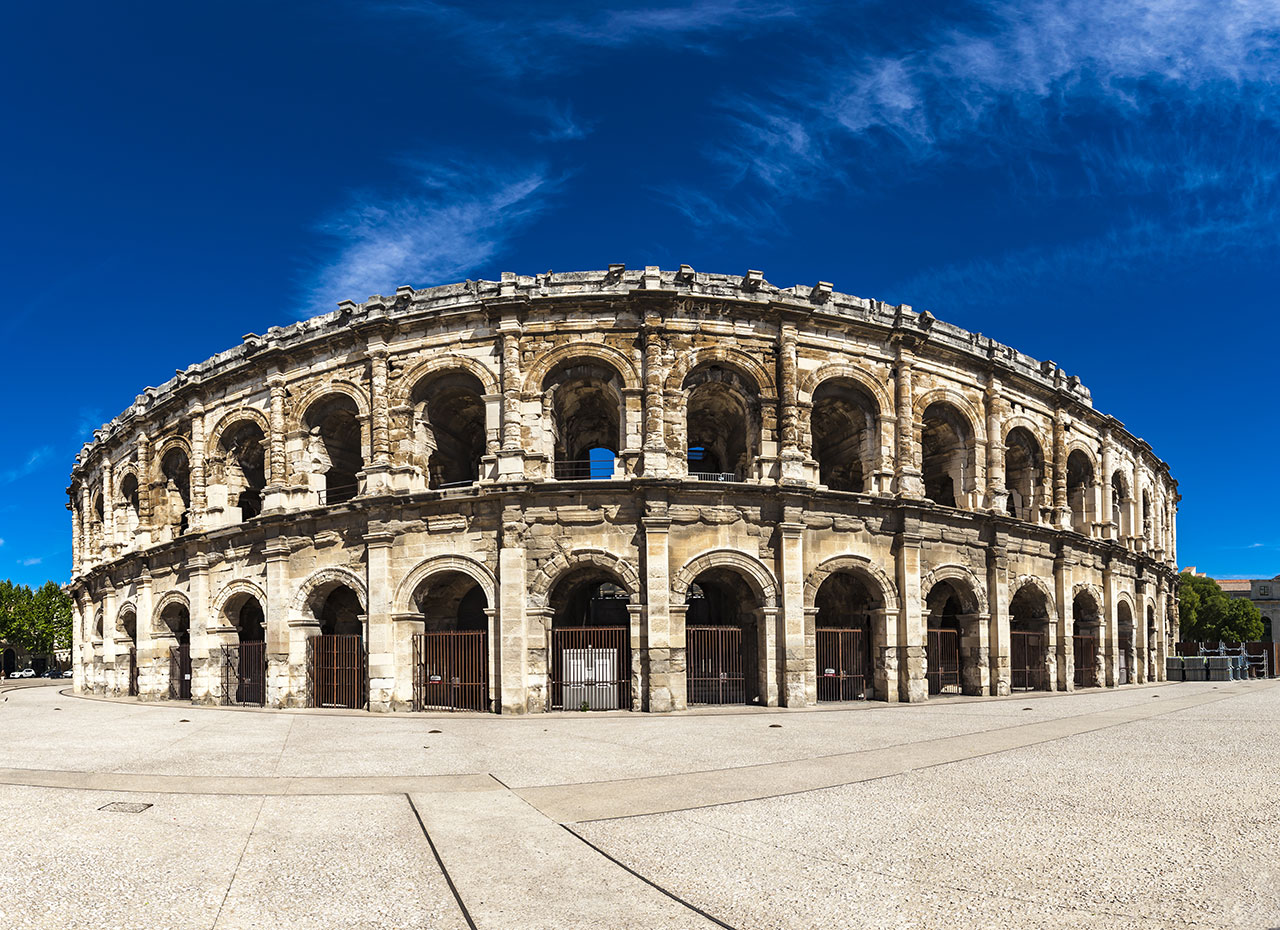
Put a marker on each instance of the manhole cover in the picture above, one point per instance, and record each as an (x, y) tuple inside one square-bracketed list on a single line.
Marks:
[(125, 807)]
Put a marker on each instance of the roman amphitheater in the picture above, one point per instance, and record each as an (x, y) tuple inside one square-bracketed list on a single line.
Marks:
[(624, 489)]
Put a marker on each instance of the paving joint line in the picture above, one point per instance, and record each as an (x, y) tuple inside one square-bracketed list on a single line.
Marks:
[(462, 906)]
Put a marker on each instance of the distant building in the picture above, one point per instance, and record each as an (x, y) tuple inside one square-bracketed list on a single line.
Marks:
[(1264, 592)]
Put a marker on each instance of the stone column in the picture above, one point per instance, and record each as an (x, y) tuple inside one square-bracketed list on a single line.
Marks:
[(144, 490), (276, 556), (666, 648), (1109, 647), (274, 494), (108, 509), (109, 641), (1061, 510), (768, 620), (1137, 536), (511, 455), (196, 521), (975, 653), (1105, 516), (906, 474), (205, 671), (1160, 646), (655, 440), (380, 640), (512, 599), (796, 660), (1062, 577), (791, 457), (77, 531), (998, 596), (148, 679), (997, 493), (407, 625), (884, 655), (913, 683), (87, 554)]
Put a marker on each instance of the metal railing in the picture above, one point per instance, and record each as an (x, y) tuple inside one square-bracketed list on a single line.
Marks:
[(336, 671), (180, 672), (591, 668), (715, 666), (713, 476), (582, 470), (942, 652), (844, 661), (451, 670), (244, 673), (1027, 652), (1086, 657)]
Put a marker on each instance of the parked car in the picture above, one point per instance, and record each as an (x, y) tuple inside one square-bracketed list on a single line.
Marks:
[(52, 673), (25, 673), (67, 673)]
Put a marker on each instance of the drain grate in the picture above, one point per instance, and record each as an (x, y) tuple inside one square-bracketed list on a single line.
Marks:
[(125, 807)]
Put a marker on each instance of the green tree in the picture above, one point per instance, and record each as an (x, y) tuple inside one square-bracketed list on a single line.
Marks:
[(39, 621), (1208, 615)]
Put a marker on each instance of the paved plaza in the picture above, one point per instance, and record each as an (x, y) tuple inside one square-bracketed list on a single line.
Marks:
[(1151, 806)]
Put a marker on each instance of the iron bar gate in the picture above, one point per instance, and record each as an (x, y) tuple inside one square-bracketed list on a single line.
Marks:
[(591, 668), (133, 672), (942, 653), (1123, 675), (844, 662), (337, 675), (1086, 653), (451, 670), (244, 674), (180, 672), (1027, 652), (714, 660)]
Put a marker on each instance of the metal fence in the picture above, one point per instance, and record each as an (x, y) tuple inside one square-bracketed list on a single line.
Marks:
[(244, 674), (942, 651), (180, 672), (133, 672), (591, 668), (451, 670), (1027, 653), (1086, 657), (1124, 674), (844, 664), (337, 674), (714, 663)]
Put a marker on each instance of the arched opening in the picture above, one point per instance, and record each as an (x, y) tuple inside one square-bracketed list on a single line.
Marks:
[(1029, 640), (10, 662), (336, 658), (129, 505), (98, 625), (946, 449), (175, 621), (953, 644), (585, 402), (451, 656), (173, 498), (1267, 635), (244, 661), (1023, 474), (239, 471), (448, 429), (590, 641), (1124, 630), (722, 423), (1080, 492), (1147, 532), (844, 630), (334, 458), (1119, 505), (843, 425), (97, 519), (724, 635), (1153, 638), (1086, 636), (127, 661)]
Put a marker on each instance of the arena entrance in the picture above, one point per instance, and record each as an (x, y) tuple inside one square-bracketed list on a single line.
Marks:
[(176, 619), (128, 623), (451, 656), (10, 662), (843, 638), (1028, 640), (942, 640), (1124, 658), (244, 663), (337, 665), (722, 635), (1085, 636), (590, 643)]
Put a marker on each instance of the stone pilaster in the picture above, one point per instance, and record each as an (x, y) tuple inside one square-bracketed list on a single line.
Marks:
[(514, 639), (1065, 669), (907, 477), (276, 556), (998, 596), (796, 659), (381, 639), (145, 479), (1109, 646), (108, 509), (1061, 510), (110, 646), (1105, 515), (198, 505), (665, 643), (655, 440), (77, 533), (791, 456), (997, 493), (511, 455), (148, 679), (205, 640), (275, 495), (913, 683)]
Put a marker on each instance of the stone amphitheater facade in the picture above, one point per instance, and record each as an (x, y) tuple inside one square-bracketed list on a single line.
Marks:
[(855, 488)]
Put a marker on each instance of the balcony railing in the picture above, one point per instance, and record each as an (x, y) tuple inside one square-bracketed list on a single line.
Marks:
[(583, 469), (713, 476)]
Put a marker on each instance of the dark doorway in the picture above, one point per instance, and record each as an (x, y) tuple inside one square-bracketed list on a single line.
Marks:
[(722, 635)]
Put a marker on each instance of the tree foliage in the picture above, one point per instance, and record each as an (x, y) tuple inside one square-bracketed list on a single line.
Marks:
[(39, 621), (1208, 615)]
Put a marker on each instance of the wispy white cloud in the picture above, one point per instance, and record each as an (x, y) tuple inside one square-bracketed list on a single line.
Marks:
[(30, 562), (29, 465), (562, 125), (1, 542), (454, 221)]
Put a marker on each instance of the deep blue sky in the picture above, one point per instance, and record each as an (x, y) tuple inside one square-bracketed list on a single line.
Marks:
[(1092, 181)]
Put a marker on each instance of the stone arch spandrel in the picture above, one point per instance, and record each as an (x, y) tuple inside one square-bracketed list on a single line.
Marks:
[(1050, 600), (411, 377), (167, 445), (128, 607), (321, 390), (593, 351), (1016, 421), (233, 588), (1126, 597), (541, 584), (1089, 588), (963, 405), (687, 363), (752, 569), (331, 575), (163, 602), (438, 564), (856, 565), (878, 390), (238, 415), (971, 587)]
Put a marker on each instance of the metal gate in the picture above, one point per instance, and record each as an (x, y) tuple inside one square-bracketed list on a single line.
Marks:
[(451, 670), (133, 672), (1122, 660), (715, 665), (1086, 653), (244, 674), (591, 668), (180, 672), (1027, 653), (942, 652), (336, 672), (844, 660)]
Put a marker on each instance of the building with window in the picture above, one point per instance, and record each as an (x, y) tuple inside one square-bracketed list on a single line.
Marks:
[(638, 489), (1263, 592)]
